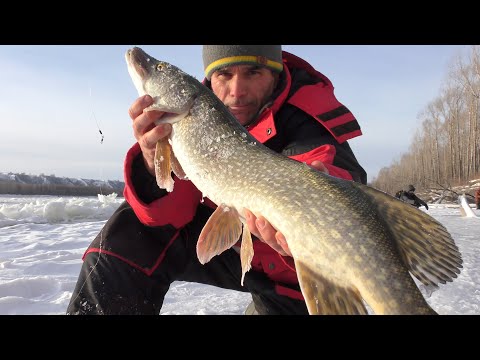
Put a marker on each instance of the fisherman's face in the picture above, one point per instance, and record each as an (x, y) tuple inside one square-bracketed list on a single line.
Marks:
[(244, 89)]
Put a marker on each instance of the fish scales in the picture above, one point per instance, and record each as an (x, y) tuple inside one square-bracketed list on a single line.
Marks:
[(246, 188), (351, 243)]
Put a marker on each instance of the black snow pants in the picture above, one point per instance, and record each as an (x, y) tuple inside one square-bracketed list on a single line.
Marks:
[(137, 264)]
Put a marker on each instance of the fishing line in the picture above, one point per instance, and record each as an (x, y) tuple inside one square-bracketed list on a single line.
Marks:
[(101, 170), (95, 118), (101, 193), (100, 131), (101, 134)]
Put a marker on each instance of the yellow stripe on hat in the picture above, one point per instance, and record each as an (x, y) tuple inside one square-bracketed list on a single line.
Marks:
[(257, 60)]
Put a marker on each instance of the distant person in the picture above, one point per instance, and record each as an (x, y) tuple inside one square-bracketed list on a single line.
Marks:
[(409, 197), (477, 198)]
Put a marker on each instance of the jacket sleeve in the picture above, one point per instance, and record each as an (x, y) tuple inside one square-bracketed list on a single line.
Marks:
[(154, 206), (307, 140)]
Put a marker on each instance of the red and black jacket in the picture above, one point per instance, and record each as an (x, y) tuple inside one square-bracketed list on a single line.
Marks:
[(304, 121)]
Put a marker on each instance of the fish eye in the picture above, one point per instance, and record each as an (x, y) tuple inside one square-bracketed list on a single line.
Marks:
[(159, 67)]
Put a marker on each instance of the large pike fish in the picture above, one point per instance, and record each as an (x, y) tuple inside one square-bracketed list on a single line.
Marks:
[(352, 244)]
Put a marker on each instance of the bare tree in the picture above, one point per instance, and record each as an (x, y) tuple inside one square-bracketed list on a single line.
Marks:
[(445, 149)]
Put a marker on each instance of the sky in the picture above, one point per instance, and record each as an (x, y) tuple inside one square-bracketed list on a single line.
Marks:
[(43, 238), (56, 99)]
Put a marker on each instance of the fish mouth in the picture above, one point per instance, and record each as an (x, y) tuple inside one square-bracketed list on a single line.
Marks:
[(140, 66), (137, 65), (137, 60)]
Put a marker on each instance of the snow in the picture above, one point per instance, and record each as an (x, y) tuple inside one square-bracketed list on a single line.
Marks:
[(43, 238)]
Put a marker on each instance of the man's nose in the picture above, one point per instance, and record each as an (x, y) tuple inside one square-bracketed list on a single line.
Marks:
[(238, 87)]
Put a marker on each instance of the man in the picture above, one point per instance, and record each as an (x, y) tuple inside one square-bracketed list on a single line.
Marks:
[(150, 241), (477, 198), (410, 197)]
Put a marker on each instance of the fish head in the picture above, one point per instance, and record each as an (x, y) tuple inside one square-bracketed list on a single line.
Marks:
[(172, 90)]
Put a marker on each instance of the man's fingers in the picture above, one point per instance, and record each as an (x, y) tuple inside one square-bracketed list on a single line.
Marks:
[(283, 243), (149, 140), (138, 105), (265, 232), (318, 165), (145, 122), (250, 220)]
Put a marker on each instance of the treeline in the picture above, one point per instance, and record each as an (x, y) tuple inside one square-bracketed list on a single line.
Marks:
[(12, 187), (445, 150)]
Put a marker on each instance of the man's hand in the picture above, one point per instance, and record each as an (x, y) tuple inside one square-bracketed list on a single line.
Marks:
[(145, 130), (265, 232)]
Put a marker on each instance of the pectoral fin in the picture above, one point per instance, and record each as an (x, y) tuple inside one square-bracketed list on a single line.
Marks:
[(163, 166), (324, 297), (246, 251), (220, 233)]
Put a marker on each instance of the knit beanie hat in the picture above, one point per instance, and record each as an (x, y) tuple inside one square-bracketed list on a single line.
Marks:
[(219, 56)]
